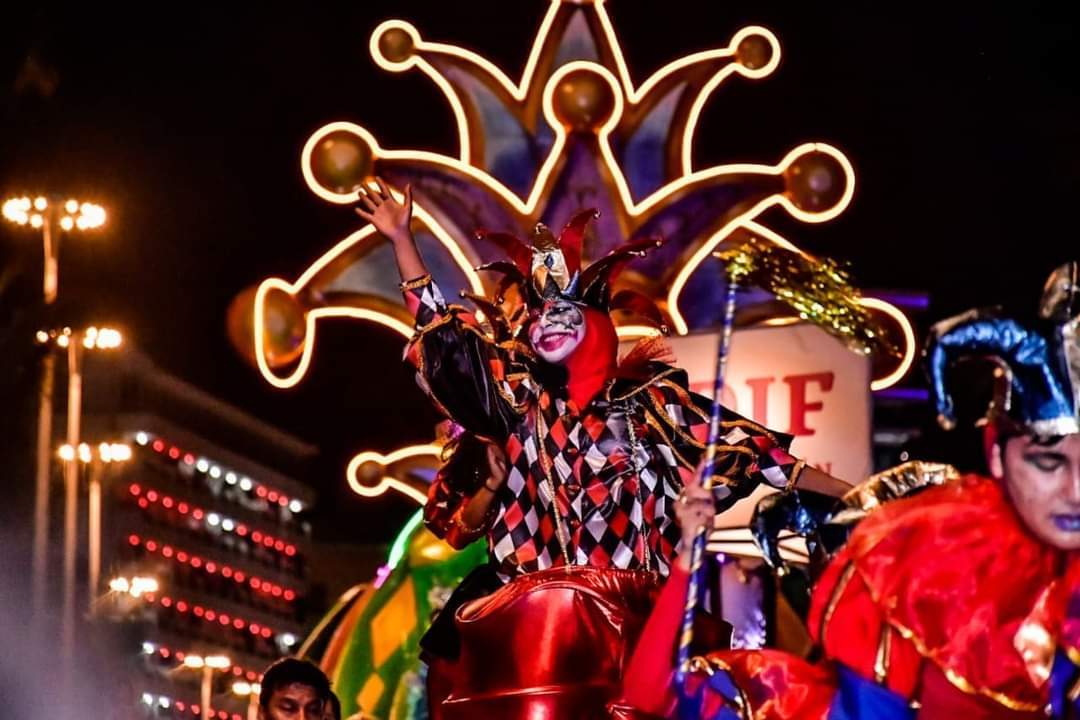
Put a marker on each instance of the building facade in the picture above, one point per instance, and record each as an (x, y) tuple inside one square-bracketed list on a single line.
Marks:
[(202, 562)]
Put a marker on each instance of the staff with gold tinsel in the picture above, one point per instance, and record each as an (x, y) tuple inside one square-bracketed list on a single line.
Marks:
[(819, 291)]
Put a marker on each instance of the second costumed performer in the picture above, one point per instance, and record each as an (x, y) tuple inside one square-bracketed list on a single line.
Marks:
[(580, 525)]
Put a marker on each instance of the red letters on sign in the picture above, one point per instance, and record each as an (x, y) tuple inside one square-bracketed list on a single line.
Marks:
[(759, 393), (800, 406)]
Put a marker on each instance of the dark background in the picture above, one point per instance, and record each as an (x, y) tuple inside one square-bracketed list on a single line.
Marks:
[(186, 121)]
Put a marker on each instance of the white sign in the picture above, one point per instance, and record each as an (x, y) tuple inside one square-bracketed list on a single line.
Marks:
[(795, 379)]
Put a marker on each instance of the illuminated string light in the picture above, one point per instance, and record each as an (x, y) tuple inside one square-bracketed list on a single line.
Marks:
[(216, 471), (220, 619), (212, 519)]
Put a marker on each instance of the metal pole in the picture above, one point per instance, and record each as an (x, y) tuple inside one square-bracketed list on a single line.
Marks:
[(71, 503), (40, 552), (207, 689), (43, 466), (686, 634), (93, 527)]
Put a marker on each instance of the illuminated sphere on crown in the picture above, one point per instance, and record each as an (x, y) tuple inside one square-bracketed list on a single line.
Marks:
[(815, 182), (341, 161), (584, 100)]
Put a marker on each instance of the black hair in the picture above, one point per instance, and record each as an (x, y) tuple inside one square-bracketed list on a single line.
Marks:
[(335, 704), (288, 671)]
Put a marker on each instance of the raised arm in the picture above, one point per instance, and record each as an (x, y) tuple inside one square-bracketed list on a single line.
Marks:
[(457, 363)]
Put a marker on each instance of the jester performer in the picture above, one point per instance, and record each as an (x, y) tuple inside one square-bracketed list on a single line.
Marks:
[(959, 601), (580, 523)]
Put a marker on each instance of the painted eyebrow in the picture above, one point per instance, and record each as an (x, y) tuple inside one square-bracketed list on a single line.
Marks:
[(1049, 454)]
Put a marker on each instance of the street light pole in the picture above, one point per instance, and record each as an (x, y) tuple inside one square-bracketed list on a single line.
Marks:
[(52, 218), (206, 691), (251, 692), (93, 532), (75, 343), (71, 505), (39, 555), (208, 665), (107, 454)]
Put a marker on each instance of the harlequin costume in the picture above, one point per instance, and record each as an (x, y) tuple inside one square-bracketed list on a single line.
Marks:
[(597, 451), (940, 604)]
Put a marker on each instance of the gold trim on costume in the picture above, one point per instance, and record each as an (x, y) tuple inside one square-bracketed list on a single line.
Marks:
[(834, 599), (1074, 692), (897, 482), (958, 681), (634, 391), (663, 414), (796, 473), (708, 665), (1072, 653), (406, 285), (881, 660), (652, 421), (684, 396)]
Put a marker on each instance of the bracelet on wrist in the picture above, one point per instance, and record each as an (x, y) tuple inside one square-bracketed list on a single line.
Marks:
[(406, 285)]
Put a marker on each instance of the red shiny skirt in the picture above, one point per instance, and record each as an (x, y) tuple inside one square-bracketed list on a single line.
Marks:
[(550, 644)]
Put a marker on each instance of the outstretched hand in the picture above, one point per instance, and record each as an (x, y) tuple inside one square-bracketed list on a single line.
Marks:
[(694, 509), (379, 207)]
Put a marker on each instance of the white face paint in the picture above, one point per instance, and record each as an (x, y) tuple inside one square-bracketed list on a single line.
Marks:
[(557, 331)]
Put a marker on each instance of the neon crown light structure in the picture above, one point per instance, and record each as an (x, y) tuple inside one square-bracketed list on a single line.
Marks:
[(575, 131)]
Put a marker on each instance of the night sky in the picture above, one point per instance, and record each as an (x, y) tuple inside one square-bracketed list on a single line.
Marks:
[(187, 122)]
